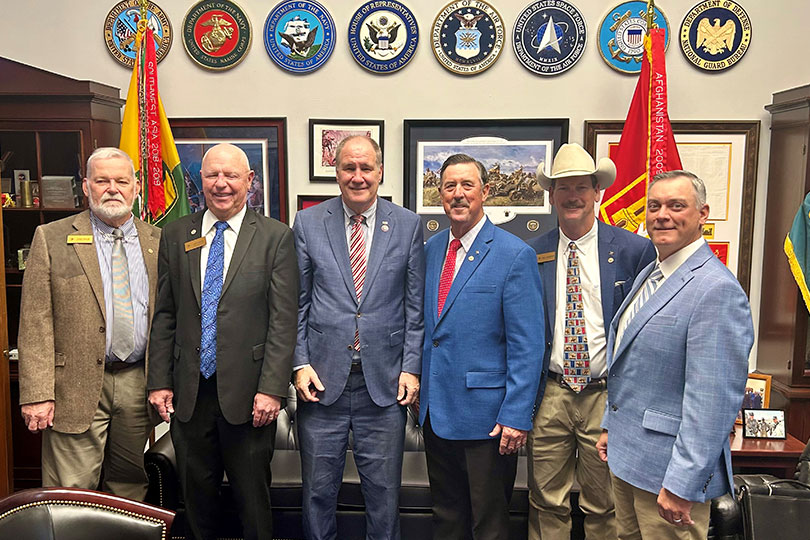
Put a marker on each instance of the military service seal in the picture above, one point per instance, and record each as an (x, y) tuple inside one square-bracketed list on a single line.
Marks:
[(216, 34), (383, 36), (467, 36), (549, 36), (621, 35), (715, 34), (299, 35), (121, 25)]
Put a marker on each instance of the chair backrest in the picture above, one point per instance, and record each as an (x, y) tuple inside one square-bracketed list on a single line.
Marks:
[(74, 514)]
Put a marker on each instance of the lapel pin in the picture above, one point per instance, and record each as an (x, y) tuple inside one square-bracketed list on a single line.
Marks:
[(477, 252), (384, 227), (471, 258), (150, 250), (193, 231), (610, 259)]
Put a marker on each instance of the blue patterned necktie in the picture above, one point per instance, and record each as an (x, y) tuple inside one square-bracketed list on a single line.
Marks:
[(212, 289), (577, 365)]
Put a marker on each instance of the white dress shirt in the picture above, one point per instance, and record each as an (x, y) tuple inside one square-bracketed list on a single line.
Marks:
[(230, 235), (368, 230), (466, 244)]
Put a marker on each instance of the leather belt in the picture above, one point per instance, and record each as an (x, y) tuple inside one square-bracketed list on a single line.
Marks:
[(595, 384), (356, 367), (119, 366)]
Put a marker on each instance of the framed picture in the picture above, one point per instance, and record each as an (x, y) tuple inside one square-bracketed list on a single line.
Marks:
[(757, 393), (324, 136), (264, 140), (764, 424), (306, 201), (510, 150), (724, 156)]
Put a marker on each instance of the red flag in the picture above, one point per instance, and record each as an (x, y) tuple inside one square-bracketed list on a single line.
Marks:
[(647, 146)]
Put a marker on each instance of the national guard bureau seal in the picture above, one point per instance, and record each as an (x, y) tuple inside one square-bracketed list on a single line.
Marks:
[(121, 26), (621, 35), (715, 34), (216, 34), (467, 36), (549, 37), (383, 36), (299, 36)]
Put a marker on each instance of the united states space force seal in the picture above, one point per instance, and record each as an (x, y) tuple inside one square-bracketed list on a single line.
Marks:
[(715, 34), (217, 34), (299, 36), (467, 36), (549, 36), (383, 36), (621, 35), (121, 25)]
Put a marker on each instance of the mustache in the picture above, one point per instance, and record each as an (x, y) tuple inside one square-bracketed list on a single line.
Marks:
[(107, 198), (459, 203), (573, 205)]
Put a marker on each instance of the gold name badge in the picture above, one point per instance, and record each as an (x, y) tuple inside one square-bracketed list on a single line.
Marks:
[(546, 257), (80, 239), (194, 244)]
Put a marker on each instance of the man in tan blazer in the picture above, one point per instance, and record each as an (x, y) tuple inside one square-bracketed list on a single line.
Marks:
[(87, 299)]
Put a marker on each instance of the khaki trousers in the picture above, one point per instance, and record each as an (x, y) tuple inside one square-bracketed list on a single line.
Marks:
[(562, 447), (114, 442), (637, 516)]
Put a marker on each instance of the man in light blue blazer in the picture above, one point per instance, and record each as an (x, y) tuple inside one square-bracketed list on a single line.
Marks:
[(360, 331), (677, 365), (482, 359)]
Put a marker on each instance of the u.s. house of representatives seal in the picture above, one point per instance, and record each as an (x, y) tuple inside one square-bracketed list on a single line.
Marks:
[(549, 36), (121, 25), (383, 36), (299, 36), (467, 36), (216, 34), (621, 35), (715, 34)]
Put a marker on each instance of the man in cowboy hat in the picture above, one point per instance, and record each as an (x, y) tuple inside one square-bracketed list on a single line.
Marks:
[(587, 268)]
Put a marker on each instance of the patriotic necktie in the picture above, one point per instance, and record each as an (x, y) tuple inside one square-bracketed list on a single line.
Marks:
[(212, 289), (357, 257), (446, 279), (577, 363), (123, 333)]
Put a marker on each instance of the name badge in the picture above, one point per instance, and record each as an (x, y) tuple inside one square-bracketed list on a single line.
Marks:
[(80, 239), (194, 244), (546, 257)]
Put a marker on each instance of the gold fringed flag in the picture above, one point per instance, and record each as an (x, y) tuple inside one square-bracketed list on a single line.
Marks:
[(797, 249), (147, 138)]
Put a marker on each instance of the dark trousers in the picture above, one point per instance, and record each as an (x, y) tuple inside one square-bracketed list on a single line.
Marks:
[(206, 445), (471, 485)]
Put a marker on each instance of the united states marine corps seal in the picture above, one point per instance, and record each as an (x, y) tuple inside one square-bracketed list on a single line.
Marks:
[(467, 36), (216, 34), (621, 35), (121, 25), (549, 36), (299, 36), (715, 34), (383, 36)]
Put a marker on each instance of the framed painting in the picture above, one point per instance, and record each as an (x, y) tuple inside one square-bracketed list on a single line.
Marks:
[(325, 135)]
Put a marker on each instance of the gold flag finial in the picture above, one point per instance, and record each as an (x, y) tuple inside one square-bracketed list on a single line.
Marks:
[(650, 15), (144, 15)]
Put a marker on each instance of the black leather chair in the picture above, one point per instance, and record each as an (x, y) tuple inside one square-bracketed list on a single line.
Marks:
[(80, 514)]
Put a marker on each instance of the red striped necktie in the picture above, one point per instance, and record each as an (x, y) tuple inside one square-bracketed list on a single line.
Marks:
[(357, 257)]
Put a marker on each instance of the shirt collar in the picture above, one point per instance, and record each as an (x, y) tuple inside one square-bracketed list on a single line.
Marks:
[(674, 261), (469, 237), (585, 243), (368, 214), (128, 228), (235, 222)]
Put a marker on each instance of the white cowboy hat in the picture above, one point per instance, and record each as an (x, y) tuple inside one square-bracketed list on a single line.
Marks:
[(573, 160)]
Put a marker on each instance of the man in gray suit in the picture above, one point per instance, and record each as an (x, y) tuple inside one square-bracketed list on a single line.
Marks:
[(360, 333)]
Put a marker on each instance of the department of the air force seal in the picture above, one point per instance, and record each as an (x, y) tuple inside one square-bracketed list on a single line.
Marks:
[(621, 35), (549, 36), (467, 36), (216, 34), (715, 35), (383, 36), (299, 36), (121, 25)]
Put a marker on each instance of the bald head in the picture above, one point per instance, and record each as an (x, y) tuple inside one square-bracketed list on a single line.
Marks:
[(226, 178)]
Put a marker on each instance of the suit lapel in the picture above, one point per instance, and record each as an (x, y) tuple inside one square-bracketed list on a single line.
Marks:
[(478, 251), (246, 232), (336, 233), (149, 241), (379, 244), (548, 275), (195, 231), (607, 270), (88, 257), (433, 271)]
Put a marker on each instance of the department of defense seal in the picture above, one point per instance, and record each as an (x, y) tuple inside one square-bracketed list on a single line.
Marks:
[(621, 35), (299, 36), (383, 36), (549, 36), (121, 25), (216, 34), (467, 36), (715, 34)]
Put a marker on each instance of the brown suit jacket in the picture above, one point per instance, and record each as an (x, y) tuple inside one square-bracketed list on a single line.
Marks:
[(62, 320)]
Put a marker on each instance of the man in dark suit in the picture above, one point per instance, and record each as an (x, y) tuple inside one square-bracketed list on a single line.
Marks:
[(222, 343), (360, 332), (481, 361), (587, 268)]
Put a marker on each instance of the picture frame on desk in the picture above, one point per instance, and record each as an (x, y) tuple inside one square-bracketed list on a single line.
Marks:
[(764, 424), (757, 393), (325, 135)]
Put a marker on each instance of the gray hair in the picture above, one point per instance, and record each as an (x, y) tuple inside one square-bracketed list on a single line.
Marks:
[(460, 159), (109, 152), (697, 184), (374, 145)]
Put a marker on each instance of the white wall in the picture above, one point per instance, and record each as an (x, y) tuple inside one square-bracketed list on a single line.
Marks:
[(67, 38)]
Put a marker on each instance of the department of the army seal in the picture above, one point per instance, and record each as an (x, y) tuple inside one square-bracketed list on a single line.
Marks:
[(299, 35), (621, 35), (217, 34), (383, 36), (715, 34), (467, 36), (121, 25), (549, 36)]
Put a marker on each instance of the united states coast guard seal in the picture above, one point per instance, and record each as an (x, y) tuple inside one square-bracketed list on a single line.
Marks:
[(121, 25), (383, 36), (216, 34), (715, 34), (549, 36), (299, 36), (467, 36), (621, 35)]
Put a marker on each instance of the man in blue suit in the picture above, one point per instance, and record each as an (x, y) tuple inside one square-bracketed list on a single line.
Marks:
[(482, 360), (677, 362), (360, 331), (587, 268)]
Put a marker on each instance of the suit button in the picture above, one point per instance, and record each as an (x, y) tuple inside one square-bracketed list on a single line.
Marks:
[(101, 329), (614, 408), (435, 343), (99, 361)]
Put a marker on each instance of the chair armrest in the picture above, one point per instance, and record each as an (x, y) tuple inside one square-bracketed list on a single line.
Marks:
[(161, 469)]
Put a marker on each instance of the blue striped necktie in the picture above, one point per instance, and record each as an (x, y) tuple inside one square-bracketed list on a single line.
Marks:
[(212, 289), (650, 286), (123, 333)]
